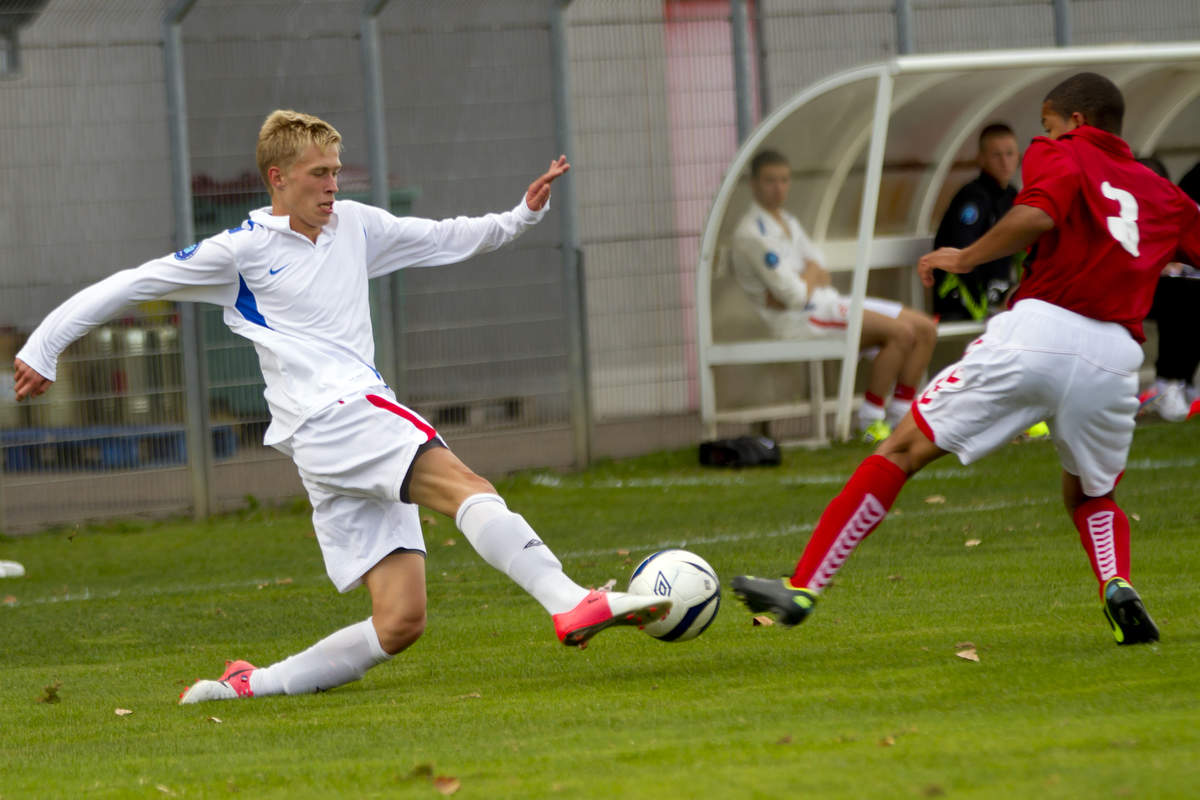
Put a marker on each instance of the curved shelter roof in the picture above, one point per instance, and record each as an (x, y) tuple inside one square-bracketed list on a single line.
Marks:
[(876, 151)]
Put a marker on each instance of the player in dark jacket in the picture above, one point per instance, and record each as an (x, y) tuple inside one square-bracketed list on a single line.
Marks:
[(974, 210)]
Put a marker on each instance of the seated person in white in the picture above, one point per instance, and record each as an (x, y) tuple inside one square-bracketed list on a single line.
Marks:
[(783, 273)]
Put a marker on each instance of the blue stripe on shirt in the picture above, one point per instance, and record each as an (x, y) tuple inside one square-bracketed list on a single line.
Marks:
[(248, 305)]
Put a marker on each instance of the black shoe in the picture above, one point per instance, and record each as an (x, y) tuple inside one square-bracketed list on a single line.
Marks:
[(1125, 613), (791, 605)]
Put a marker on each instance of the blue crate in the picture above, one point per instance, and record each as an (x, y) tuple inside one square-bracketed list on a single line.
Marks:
[(105, 447)]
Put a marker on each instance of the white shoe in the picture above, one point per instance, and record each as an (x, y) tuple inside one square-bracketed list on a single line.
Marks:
[(202, 691), (1172, 404), (233, 683)]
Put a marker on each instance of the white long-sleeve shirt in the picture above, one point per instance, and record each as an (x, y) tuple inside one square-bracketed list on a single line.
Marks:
[(768, 257), (304, 305)]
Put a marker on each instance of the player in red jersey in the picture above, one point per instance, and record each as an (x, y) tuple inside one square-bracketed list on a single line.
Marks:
[(1101, 228)]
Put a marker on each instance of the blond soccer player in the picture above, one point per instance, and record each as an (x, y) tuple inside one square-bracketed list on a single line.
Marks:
[(293, 279)]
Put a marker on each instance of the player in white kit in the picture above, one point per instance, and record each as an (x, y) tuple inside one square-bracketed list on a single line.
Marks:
[(293, 280)]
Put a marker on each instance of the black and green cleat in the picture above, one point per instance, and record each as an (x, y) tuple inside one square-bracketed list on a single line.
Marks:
[(790, 604), (1123, 609)]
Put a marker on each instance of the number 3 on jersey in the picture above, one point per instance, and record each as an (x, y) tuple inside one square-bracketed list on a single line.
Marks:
[(1123, 227)]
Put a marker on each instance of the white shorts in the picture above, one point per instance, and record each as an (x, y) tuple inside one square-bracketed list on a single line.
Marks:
[(1040, 362), (825, 314), (353, 456)]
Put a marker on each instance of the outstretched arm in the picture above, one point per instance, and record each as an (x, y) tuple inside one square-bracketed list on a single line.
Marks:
[(1016, 230), (539, 191)]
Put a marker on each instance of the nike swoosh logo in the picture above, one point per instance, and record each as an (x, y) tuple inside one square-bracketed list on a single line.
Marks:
[(277, 271)]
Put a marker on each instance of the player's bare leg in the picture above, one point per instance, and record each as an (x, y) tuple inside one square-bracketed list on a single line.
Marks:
[(1104, 533), (442, 482), (905, 345), (397, 587), (848, 519)]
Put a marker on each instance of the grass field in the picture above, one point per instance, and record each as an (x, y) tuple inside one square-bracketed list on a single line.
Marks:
[(866, 699)]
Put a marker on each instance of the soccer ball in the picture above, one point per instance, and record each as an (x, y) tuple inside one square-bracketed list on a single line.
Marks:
[(691, 584)]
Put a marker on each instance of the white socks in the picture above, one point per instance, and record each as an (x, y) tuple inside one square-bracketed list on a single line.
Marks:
[(508, 543), (896, 410), (505, 541), (341, 657)]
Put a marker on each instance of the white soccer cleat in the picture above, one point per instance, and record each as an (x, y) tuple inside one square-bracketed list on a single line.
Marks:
[(1172, 404), (202, 691), (233, 683)]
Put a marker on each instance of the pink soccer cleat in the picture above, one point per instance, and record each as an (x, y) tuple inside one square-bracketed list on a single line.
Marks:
[(233, 683), (601, 609)]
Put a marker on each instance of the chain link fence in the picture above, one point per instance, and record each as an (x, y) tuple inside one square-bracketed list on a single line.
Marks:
[(468, 89)]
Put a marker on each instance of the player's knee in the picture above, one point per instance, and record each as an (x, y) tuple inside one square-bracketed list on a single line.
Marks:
[(904, 337), (399, 629), (925, 329)]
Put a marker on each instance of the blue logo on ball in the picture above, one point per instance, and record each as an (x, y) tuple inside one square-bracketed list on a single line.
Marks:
[(662, 586)]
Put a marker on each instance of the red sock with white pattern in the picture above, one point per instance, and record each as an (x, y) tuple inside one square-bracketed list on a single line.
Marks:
[(848, 519), (1104, 533)]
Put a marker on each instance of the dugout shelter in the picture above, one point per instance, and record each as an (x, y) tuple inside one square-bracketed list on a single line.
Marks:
[(876, 154)]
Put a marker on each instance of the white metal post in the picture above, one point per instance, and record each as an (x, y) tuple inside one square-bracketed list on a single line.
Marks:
[(866, 232)]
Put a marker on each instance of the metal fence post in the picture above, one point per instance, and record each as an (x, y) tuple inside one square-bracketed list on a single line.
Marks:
[(385, 291), (1062, 23), (191, 324), (741, 68), (904, 34), (573, 280)]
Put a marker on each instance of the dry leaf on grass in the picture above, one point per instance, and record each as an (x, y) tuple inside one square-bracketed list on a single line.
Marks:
[(217, 720), (469, 696), (765, 622), (428, 520), (446, 784), (972, 542), (449, 543), (969, 654), (1135, 517), (935, 499), (123, 712), (622, 552), (10, 600), (164, 789), (887, 741), (785, 740), (50, 693)]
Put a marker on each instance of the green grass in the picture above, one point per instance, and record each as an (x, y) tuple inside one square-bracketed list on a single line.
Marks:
[(866, 699)]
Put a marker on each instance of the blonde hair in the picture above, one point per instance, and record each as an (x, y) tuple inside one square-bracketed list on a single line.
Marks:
[(286, 134)]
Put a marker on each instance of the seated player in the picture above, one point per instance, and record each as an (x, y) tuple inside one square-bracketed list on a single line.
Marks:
[(783, 274)]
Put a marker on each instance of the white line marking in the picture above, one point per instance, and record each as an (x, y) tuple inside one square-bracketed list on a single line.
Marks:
[(555, 482)]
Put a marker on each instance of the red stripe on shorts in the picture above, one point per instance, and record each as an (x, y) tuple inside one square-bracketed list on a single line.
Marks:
[(922, 424), (826, 323), (401, 411)]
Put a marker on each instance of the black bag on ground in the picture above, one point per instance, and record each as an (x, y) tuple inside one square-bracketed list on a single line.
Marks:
[(742, 451)]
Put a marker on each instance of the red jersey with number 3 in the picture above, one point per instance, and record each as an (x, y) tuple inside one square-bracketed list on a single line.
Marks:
[(1116, 225)]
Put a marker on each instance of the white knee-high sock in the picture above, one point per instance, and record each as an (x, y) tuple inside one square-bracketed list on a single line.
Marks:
[(341, 657), (508, 543)]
